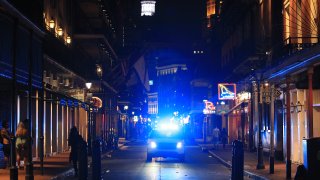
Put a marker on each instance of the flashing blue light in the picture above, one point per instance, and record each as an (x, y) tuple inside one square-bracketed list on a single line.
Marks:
[(153, 145), (179, 145), (169, 127)]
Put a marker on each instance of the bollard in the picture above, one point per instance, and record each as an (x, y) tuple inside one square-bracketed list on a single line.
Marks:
[(83, 160), (96, 160), (237, 160)]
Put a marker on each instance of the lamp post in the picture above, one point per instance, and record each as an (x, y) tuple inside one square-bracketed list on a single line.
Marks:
[(260, 164), (126, 119), (88, 85)]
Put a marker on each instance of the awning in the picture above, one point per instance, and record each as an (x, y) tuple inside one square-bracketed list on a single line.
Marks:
[(236, 107)]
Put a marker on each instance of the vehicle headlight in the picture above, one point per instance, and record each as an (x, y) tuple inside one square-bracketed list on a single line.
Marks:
[(179, 145), (153, 145)]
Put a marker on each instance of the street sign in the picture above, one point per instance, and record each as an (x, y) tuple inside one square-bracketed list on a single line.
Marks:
[(276, 93)]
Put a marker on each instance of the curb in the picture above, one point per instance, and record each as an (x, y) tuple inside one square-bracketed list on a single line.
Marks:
[(70, 172), (228, 165)]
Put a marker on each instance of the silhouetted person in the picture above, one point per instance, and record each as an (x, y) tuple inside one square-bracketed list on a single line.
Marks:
[(215, 136), (301, 173), (22, 143), (224, 137), (5, 140), (73, 141)]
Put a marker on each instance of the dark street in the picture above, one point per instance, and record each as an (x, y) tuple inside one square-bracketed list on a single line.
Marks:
[(83, 80), (130, 163)]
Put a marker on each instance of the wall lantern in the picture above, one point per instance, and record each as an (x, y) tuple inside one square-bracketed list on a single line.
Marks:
[(60, 32), (51, 24), (99, 70), (68, 40)]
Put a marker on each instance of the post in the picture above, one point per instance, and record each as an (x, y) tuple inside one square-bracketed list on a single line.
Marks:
[(271, 159), (110, 105), (13, 167), (89, 131), (41, 136), (205, 129), (251, 134), (243, 119), (96, 159), (29, 164), (310, 102), (288, 124), (237, 160), (260, 164)]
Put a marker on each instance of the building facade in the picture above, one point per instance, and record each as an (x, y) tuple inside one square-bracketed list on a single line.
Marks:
[(278, 66)]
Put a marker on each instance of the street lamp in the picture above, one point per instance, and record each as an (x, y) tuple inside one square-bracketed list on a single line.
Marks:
[(126, 121), (88, 85)]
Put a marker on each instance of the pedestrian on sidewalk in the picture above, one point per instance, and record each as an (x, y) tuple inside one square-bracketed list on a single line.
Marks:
[(22, 144), (5, 140), (224, 137), (82, 158), (301, 173), (215, 137), (73, 142)]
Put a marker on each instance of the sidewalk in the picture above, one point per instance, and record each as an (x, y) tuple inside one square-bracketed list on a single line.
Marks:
[(52, 166), (250, 163), (69, 174), (55, 167)]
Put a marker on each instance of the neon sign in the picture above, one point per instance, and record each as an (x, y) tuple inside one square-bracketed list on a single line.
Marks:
[(227, 91)]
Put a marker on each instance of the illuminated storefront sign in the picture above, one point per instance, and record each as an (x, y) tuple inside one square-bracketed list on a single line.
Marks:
[(96, 101), (209, 107), (227, 91), (148, 8)]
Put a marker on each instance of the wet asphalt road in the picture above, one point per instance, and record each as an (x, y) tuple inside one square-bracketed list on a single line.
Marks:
[(130, 163)]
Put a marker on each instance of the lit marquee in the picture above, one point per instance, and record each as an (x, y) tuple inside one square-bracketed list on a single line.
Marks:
[(148, 8)]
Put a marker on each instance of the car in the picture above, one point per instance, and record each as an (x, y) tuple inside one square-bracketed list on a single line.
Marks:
[(166, 141)]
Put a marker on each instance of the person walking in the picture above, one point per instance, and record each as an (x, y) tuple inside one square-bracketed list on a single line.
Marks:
[(73, 142), (215, 136), (21, 144), (5, 140), (224, 137)]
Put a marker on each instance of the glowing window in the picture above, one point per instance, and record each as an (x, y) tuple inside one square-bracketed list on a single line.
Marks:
[(148, 8)]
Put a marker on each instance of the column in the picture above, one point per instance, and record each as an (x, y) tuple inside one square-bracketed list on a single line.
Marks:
[(243, 119), (310, 102), (260, 164), (288, 124), (272, 114)]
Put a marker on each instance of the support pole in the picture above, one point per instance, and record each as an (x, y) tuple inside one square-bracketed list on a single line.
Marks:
[(310, 102), (89, 131), (272, 114), (13, 125), (288, 124), (260, 164), (29, 164), (243, 119)]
